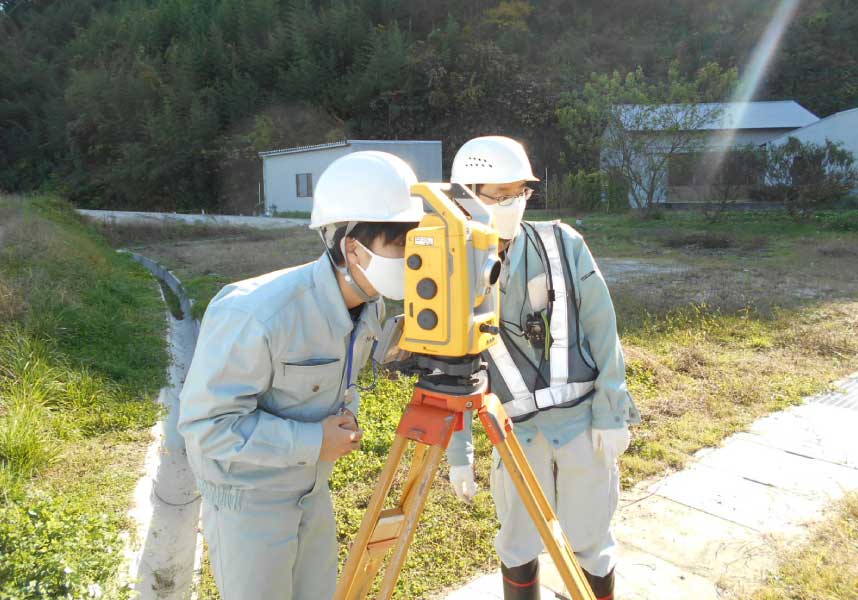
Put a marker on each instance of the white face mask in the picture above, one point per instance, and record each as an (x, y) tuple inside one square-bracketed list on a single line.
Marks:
[(387, 275), (507, 218)]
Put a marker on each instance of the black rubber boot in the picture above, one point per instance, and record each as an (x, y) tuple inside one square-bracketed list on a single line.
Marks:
[(522, 582), (603, 587)]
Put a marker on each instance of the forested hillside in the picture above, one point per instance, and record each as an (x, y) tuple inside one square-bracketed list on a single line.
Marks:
[(163, 105)]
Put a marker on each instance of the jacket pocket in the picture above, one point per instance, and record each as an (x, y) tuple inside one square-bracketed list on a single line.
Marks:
[(308, 378)]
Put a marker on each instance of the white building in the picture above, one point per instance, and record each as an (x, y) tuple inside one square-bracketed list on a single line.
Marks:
[(840, 127), (289, 176), (717, 127)]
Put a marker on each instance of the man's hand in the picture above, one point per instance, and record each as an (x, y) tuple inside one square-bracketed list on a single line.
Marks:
[(353, 426), (611, 442), (462, 480), (340, 435)]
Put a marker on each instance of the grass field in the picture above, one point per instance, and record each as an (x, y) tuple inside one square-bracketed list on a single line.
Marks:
[(721, 323), (824, 568), (82, 357)]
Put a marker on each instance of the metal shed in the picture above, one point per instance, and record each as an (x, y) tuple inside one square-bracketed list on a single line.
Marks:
[(289, 176)]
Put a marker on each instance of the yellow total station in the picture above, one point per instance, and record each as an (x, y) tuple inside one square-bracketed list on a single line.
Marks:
[(452, 268)]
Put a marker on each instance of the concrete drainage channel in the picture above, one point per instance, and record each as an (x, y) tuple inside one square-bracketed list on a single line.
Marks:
[(166, 557)]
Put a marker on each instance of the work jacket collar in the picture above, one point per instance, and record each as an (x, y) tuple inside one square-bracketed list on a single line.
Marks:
[(515, 252), (332, 305)]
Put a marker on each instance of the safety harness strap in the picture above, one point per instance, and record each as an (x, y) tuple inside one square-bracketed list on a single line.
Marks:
[(563, 395), (560, 392), (522, 402), (559, 326)]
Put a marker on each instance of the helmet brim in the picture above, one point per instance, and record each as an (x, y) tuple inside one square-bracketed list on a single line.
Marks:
[(411, 215)]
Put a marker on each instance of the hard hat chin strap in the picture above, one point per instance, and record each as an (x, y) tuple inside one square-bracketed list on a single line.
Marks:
[(350, 281), (345, 270)]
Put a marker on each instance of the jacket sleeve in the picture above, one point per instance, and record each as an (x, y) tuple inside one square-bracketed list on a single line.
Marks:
[(612, 404), (461, 449), (219, 414)]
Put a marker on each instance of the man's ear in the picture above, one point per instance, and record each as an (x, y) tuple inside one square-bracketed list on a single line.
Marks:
[(354, 253), (348, 250)]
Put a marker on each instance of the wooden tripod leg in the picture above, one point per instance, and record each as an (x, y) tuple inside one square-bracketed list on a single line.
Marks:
[(538, 507), (430, 427), (354, 580), (413, 501), (390, 524)]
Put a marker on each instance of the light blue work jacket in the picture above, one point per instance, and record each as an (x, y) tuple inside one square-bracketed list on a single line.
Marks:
[(269, 366)]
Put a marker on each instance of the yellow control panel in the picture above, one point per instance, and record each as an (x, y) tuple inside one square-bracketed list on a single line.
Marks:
[(451, 273)]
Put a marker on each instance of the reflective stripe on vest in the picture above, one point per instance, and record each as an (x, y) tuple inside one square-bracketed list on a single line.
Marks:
[(522, 401), (559, 314), (560, 391)]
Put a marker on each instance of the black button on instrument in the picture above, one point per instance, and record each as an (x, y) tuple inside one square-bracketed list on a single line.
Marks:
[(414, 261), (427, 319), (427, 288)]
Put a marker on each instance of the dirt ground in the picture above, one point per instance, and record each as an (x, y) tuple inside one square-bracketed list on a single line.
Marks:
[(729, 279), (734, 283), (238, 257)]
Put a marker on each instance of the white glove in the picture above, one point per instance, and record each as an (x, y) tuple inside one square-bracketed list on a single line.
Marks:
[(462, 480), (611, 442)]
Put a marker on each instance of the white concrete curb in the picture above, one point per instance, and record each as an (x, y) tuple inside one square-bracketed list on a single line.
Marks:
[(164, 274), (131, 217), (166, 500)]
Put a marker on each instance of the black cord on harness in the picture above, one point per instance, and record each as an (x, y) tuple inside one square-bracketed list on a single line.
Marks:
[(521, 353)]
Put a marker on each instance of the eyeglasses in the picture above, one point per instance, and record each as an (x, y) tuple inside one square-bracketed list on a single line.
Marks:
[(507, 200)]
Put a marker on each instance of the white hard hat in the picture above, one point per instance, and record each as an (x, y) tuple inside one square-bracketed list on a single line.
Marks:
[(366, 186), (491, 159)]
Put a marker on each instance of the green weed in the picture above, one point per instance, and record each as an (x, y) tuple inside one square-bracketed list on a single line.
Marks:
[(202, 289), (58, 548), (699, 375), (174, 305), (82, 354), (824, 568)]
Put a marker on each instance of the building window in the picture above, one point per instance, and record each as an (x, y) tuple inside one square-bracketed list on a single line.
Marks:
[(681, 169), (737, 168), (304, 184)]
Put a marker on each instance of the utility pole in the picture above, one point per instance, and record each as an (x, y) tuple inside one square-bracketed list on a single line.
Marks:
[(546, 188)]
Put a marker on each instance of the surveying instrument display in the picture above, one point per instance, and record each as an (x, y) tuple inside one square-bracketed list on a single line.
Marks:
[(451, 316)]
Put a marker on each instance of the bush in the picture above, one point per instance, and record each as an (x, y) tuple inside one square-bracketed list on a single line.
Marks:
[(616, 192), (843, 222), (806, 177), (588, 192)]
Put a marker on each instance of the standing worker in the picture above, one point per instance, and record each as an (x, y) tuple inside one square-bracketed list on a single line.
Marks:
[(271, 398), (559, 371)]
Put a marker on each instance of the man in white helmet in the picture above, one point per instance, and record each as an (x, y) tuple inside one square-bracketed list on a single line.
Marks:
[(558, 370), (271, 397)]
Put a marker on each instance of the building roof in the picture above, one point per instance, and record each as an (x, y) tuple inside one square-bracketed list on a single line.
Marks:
[(781, 114), (850, 113), (340, 144), (298, 149)]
